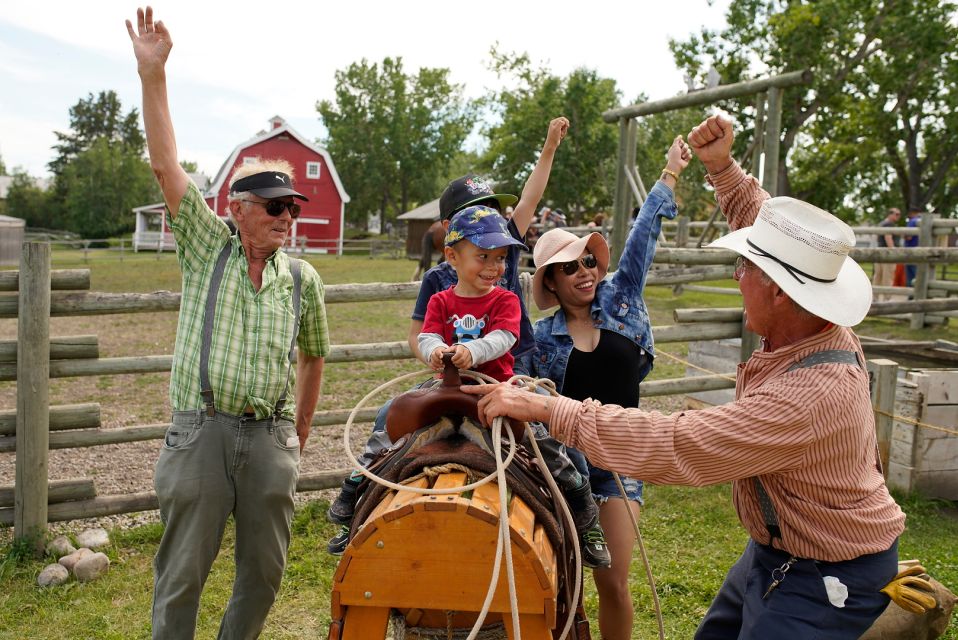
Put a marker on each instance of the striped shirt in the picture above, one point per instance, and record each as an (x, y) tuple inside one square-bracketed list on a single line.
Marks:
[(252, 329), (808, 434)]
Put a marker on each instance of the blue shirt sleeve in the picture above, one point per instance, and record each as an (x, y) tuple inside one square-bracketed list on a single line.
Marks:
[(639, 248)]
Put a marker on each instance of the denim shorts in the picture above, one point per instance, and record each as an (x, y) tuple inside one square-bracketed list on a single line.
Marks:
[(603, 482)]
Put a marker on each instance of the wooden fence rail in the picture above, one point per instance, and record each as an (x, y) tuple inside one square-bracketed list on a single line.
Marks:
[(33, 430)]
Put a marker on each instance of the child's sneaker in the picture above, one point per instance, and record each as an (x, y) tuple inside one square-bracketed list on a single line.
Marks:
[(338, 543), (342, 509), (595, 552)]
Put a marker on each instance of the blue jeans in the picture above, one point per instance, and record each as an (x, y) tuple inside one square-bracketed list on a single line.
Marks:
[(603, 482), (799, 607)]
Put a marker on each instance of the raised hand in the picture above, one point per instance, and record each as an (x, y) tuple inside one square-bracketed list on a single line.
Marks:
[(151, 42), (712, 143), (678, 156), (557, 130)]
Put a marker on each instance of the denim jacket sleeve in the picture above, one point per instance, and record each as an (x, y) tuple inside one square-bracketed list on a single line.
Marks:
[(640, 245)]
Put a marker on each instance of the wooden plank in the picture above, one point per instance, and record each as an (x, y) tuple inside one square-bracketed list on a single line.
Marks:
[(57, 491), (60, 279), (33, 394), (65, 416), (523, 523), (443, 559), (61, 348), (940, 484), (941, 415), (900, 476), (99, 506), (451, 502), (485, 503), (884, 382), (531, 627), (940, 387), (401, 503), (363, 623)]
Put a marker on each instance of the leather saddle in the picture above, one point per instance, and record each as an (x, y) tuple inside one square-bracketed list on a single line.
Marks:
[(421, 407)]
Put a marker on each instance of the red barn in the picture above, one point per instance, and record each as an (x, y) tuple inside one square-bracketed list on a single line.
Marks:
[(319, 227)]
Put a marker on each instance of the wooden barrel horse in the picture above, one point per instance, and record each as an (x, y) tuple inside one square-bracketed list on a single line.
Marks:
[(427, 560)]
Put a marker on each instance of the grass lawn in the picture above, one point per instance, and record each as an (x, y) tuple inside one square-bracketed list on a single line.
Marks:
[(692, 535)]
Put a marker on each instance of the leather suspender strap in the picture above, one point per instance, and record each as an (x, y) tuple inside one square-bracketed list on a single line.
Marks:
[(830, 356), (206, 389), (295, 268)]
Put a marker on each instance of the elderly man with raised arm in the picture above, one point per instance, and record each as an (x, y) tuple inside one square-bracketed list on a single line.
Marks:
[(798, 443), (241, 416)]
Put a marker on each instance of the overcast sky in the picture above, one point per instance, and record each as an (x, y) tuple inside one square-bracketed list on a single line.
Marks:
[(234, 65)]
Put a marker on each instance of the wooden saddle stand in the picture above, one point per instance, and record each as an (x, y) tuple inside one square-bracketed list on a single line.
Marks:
[(427, 560)]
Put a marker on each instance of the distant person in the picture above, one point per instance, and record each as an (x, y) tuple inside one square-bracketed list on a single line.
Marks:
[(914, 219), (240, 415), (884, 274)]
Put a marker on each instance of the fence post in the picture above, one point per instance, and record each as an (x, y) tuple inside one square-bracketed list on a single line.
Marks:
[(681, 241), (924, 270), (883, 379), (33, 393), (773, 132)]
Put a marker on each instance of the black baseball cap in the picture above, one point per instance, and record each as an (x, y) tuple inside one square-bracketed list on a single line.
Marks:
[(467, 190), (267, 184)]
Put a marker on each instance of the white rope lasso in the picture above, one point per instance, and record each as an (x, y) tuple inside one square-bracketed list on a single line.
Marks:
[(503, 541)]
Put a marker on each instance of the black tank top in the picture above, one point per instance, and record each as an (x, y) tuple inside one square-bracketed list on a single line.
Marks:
[(609, 374)]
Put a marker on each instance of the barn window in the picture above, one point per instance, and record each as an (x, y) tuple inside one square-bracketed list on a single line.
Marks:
[(312, 170), (249, 159)]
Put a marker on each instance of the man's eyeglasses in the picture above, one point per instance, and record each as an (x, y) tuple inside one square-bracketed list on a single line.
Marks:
[(275, 207), (741, 265), (570, 268)]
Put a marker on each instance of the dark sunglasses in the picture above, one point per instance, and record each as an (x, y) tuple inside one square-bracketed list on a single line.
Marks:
[(570, 268), (275, 207)]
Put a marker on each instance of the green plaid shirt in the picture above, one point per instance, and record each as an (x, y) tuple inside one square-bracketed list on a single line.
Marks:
[(251, 329)]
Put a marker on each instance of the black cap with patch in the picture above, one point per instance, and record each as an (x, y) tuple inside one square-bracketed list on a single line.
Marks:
[(267, 184), (467, 190)]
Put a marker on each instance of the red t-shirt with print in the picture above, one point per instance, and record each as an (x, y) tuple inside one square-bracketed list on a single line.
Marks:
[(459, 319)]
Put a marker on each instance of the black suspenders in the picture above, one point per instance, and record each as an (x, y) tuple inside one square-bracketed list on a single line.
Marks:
[(206, 389)]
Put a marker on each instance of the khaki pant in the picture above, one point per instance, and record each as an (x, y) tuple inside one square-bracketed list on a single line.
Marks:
[(210, 468), (884, 277)]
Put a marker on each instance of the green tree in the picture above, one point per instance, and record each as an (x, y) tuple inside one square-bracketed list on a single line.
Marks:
[(3, 167), (27, 200), (102, 184), (189, 166), (394, 135), (877, 126), (583, 173), (99, 171)]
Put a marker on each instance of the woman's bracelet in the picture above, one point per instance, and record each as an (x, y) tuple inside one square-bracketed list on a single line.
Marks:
[(671, 173)]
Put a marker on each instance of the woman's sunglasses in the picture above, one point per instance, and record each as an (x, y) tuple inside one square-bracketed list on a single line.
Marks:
[(275, 207), (570, 268)]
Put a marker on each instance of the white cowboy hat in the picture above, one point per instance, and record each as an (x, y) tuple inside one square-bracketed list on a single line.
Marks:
[(804, 250), (558, 246)]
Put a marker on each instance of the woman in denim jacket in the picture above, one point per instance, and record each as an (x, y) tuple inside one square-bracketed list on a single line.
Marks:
[(598, 344)]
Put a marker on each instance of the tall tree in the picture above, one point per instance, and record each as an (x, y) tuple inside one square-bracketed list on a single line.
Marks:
[(877, 125), (583, 173), (3, 167), (394, 135), (25, 199), (99, 171)]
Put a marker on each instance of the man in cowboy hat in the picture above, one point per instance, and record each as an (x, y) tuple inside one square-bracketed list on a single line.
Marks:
[(798, 443), (240, 414)]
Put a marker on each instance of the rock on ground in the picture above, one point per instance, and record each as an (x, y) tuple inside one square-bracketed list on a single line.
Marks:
[(91, 567), (93, 538), (60, 546), (70, 561), (53, 575)]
